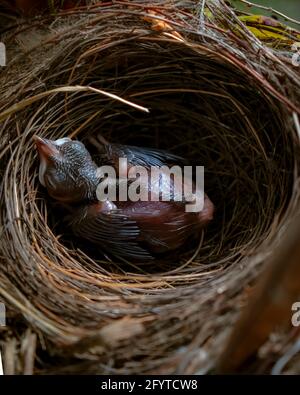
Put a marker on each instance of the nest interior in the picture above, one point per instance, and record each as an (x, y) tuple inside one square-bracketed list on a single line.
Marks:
[(211, 99)]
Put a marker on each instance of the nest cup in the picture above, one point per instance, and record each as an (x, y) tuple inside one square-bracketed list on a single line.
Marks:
[(211, 100)]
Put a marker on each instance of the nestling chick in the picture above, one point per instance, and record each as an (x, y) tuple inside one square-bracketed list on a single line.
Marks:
[(138, 230), (66, 170)]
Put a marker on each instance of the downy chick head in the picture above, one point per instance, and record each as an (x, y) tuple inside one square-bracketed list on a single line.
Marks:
[(66, 169)]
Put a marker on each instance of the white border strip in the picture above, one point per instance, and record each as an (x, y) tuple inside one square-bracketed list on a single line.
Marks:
[(1, 366)]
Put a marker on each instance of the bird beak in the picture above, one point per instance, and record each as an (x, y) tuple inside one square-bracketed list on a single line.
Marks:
[(45, 147)]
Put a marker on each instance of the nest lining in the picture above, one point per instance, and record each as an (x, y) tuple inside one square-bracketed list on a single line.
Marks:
[(211, 100)]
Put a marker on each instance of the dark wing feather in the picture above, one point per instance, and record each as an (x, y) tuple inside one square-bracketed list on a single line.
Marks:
[(147, 157), (114, 232), (136, 156)]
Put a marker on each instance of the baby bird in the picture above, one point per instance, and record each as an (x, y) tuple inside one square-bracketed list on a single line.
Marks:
[(131, 230)]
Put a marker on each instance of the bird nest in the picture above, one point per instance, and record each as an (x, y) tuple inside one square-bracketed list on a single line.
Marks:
[(215, 94)]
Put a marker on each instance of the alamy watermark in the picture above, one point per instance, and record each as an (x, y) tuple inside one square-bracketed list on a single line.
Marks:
[(296, 316), (2, 323), (2, 314), (137, 183), (2, 54), (296, 56)]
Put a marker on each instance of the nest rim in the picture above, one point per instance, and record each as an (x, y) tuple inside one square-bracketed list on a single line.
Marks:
[(71, 278)]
